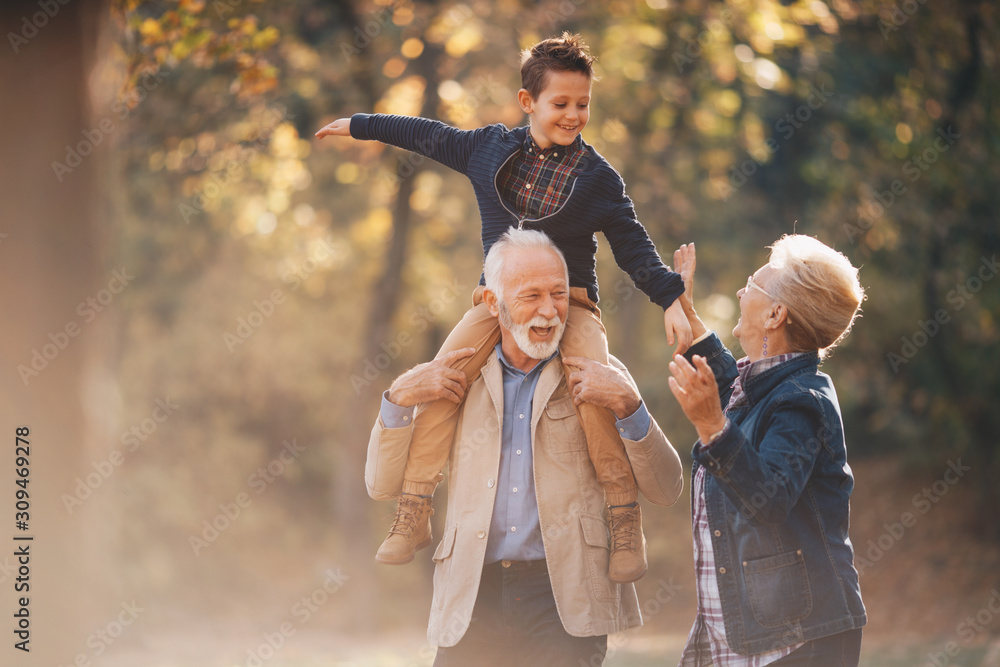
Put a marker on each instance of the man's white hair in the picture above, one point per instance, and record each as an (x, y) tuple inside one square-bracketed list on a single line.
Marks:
[(515, 240)]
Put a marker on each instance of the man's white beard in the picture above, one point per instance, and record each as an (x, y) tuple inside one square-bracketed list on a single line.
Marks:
[(521, 333)]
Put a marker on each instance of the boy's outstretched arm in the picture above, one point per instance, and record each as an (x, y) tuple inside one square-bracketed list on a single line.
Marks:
[(338, 128), (431, 138)]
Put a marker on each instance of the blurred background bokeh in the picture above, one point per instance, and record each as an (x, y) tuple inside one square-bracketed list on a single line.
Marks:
[(202, 303)]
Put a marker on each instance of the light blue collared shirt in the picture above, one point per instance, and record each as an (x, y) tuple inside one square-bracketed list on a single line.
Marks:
[(515, 533)]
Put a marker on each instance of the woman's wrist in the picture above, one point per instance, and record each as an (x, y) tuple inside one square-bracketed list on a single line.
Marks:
[(709, 433), (698, 327)]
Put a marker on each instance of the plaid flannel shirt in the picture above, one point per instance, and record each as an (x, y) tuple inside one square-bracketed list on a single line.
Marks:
[(537, 182)]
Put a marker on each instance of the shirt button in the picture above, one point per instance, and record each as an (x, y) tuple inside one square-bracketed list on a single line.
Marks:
[(515, 489), (490, 483), (541, 157), (621, 430), (513, 529), (406, 419), (481, 534), (718, 533), (722, 570), (520, 416), (519, 452), (528, 186), (555, 155)]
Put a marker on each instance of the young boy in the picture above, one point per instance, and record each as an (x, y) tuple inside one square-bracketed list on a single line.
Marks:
[(544, 177)]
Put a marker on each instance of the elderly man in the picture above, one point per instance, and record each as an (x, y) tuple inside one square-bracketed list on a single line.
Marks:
[(522, 569)]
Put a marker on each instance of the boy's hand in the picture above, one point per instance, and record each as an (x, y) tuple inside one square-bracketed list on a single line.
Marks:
[(676, 323), (338, 128), (684, 264)]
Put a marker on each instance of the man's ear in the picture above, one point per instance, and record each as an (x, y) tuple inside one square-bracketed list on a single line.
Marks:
[(490, 299), (525, 100)]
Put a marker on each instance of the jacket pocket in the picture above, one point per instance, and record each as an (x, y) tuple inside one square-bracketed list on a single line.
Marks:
[(443, 565), (446, 546), (564, 428), (597, 553), (778, 587)]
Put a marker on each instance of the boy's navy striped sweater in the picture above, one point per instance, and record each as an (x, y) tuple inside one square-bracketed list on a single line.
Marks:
[(597, 203)]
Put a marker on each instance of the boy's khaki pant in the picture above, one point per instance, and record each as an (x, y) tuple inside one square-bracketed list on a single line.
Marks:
[(434, 423)]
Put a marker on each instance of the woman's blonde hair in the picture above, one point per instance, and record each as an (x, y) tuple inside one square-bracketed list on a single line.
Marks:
[(820, 288)]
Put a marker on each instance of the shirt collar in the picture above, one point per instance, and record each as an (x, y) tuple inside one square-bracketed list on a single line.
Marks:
[(508, 368), (557, 152), (747, 369)]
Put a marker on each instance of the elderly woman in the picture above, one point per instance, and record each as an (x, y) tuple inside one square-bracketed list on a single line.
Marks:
[(771, 486)]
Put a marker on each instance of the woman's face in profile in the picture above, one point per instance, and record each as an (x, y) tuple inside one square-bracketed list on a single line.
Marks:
[(755, 304)]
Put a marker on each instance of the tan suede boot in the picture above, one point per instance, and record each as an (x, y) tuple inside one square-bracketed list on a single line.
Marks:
[(410, 532), (628, 545)]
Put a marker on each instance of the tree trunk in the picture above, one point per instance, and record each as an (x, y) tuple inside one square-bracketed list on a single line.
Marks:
[(49, 264)]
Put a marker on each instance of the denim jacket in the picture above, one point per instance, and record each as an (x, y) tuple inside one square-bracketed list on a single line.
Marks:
[(778, 501)]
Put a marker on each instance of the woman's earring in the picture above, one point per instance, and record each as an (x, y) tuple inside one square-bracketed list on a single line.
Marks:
[(765, 346)]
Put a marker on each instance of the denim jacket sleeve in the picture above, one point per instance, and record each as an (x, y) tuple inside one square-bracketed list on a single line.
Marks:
[(443, 143), (762, 477), (720, 360), (764, 480)]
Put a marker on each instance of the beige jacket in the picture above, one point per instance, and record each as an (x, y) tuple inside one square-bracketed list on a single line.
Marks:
[(570, 504)]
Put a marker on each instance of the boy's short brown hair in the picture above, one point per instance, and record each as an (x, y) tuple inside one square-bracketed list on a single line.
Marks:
[(566, 53)]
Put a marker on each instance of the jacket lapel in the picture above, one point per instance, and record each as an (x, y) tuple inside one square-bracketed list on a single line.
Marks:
[(493, 380), (548, 382)]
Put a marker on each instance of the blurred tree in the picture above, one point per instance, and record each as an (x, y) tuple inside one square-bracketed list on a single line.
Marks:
[(51, 261)]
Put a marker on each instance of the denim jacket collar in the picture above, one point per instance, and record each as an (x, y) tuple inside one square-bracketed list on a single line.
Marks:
[(760, 385)]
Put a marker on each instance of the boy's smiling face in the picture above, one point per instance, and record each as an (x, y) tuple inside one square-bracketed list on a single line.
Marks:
[(561, 110)]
